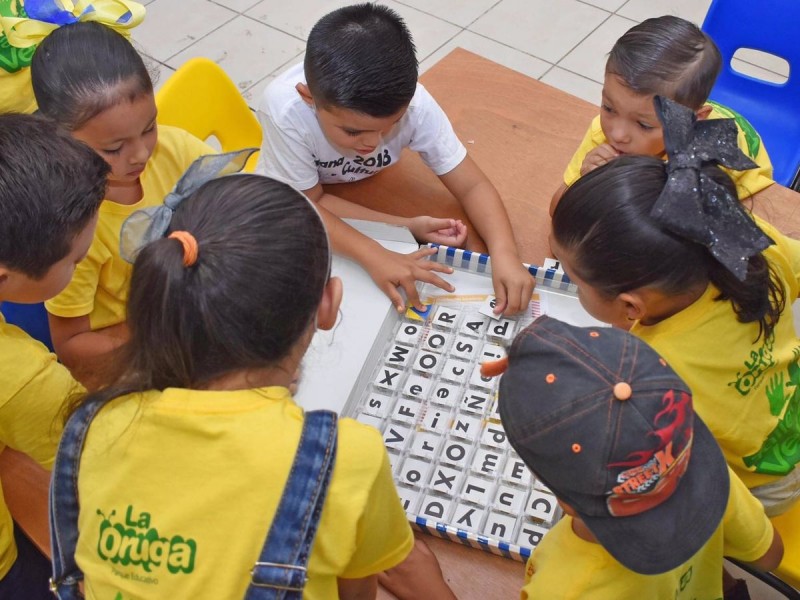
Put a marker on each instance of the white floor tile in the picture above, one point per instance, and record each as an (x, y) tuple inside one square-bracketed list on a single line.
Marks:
[(455, 11), (513, 59), (773, 63), (429, 33), (238, 5), (253, 94), (609, 5), (589, 58), (296, 17), (691, 10), (546, 29), (170, 26), (247, 49), (574, 84), (757, 72)]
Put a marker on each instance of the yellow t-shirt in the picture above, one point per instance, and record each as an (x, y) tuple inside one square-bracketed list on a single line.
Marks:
[(99, 287), (178, 490), (747, 393), (566, 567), (33, 389), (747, 182)]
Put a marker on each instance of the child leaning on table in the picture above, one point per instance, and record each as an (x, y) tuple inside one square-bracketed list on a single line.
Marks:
[(185, 468), (105, 99), (665, 56), (51, 187), (667, 250), (346, 114), (651, 507)]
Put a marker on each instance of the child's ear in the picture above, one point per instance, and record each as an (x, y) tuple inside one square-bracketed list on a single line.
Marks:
[(703, 112), (328, 309), (305, 93), (635, 306)]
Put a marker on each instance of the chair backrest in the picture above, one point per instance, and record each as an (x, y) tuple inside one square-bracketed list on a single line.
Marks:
[(200, 98), (769, 26)]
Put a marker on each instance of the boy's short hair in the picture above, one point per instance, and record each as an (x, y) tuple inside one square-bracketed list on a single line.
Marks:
[(667, 56), (361, 58), (51, 186), (609, 427)]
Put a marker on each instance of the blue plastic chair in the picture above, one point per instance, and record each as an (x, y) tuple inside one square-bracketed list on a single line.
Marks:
[(773, 108), (31, 318)]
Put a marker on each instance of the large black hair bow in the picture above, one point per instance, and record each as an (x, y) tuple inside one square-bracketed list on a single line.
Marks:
[(694, 206)]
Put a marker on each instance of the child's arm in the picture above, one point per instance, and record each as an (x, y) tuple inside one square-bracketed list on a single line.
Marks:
[(513, 285), (772, 557), (450, 232), (418, 576), (75, 342), (389, 270), (358, 589)]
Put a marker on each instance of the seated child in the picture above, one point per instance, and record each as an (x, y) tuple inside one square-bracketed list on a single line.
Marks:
[(671, 57), (651, 508), (194, 441), (51, 187), (346, 114), (105, 99), (667, 250)]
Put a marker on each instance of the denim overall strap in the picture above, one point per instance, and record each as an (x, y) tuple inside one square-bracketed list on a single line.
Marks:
[(64, 503), (280, 572)]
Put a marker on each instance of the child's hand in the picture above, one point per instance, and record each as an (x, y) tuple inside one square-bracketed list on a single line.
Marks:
[(598, 157), (448, 232), (390, 270), (418, 576), (513, 284)]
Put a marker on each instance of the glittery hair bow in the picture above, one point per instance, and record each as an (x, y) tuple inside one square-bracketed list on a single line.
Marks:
[(694, 206), (149, 224), (40, 17)]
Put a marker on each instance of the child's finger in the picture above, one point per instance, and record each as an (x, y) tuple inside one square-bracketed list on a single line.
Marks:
[(412, 296), (501, 298), (394, 296), (433, 279)]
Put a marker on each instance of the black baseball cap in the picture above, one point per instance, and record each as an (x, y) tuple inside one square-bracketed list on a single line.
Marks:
[(609, 427)]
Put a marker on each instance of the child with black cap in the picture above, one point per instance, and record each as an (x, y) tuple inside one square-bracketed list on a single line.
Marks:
[(651, 505)]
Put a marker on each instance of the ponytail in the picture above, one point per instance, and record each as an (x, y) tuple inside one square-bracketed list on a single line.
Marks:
[(604, 221), (261, 267), (760, 297)]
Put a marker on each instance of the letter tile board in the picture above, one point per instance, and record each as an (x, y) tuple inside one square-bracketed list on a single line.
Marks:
[(421, 387)]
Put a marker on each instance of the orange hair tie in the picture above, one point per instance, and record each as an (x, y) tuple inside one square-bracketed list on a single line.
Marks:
[(189, 244)]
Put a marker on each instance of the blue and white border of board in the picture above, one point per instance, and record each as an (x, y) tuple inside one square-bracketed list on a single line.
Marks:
[(473, 540), (477, 262)]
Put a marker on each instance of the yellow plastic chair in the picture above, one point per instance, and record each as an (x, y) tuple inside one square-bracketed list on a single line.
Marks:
[(200, 98), (788, 525)]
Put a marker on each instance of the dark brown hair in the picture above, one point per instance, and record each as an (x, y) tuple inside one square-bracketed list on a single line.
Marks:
[(361, 58), (667, 56), (82, 69), (262, 266), (51, 187), (604, 220)]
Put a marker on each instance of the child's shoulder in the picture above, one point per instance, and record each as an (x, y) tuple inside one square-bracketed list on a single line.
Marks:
[(281, 95), (175, 150)]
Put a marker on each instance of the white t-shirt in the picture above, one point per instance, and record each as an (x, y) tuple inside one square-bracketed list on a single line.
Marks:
[(296, 151)]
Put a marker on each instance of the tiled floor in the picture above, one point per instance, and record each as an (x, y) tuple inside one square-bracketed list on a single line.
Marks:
[(561, 42)]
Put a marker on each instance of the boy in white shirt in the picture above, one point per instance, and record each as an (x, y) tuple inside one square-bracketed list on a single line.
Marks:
[(345, 115)]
